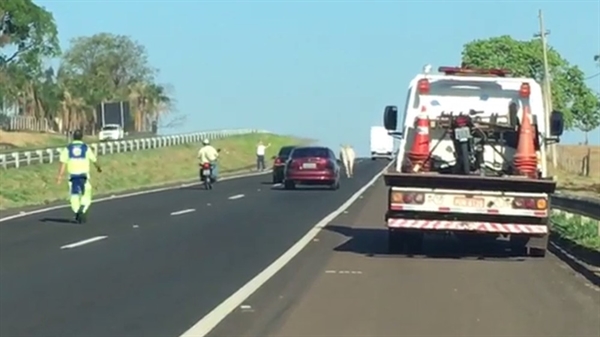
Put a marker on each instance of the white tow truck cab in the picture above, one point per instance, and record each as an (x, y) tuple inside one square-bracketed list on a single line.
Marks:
[(382, 143), (465, 128), (111, 132)]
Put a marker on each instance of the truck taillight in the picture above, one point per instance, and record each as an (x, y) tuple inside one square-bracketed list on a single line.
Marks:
[(407, 198), (530, 203)]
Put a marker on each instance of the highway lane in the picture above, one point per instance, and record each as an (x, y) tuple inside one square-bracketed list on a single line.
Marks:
[(159, 278), (346, 284)]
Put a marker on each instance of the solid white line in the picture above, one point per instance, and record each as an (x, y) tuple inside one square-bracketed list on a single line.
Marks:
[(210, 321), (83, 242), (128, 195), (237, 196), (189, 210)]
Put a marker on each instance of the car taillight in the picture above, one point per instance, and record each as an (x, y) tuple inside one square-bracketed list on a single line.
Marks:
[(294, 164), (530, 203), (330, 165), (407, 198), (278, 161)]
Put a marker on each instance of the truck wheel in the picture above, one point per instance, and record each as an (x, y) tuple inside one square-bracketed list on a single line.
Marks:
[(536, 252), (414, 243), (395, 241), (373, 158)]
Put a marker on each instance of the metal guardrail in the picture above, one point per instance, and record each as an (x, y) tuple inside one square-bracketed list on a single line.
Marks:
[(50, 155), (584, 206)]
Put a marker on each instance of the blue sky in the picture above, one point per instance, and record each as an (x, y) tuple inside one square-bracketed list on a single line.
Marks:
[(319, 69)]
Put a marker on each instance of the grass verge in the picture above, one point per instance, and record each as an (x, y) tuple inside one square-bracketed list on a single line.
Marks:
[(579, 230), (36, 184)]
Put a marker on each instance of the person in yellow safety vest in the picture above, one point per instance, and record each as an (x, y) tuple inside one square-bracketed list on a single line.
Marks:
[(76, 158)]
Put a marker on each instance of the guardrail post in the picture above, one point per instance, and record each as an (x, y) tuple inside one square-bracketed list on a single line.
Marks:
[(40, 154), (3, 161), (17, 159), (28, 157)]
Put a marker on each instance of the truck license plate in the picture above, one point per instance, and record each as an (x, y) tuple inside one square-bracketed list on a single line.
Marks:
[(206, 172), (462, 134), (309, 165), (469, 202)]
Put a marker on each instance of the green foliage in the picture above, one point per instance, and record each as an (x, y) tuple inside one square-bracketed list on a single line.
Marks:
[(27, 34), (525, 59), (579, 230), (100, 68)]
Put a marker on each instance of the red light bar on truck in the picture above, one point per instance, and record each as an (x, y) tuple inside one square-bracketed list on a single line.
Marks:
[(458, 71)]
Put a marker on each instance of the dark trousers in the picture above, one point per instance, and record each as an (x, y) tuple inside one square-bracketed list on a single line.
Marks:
[(260, 162), (78, 184)]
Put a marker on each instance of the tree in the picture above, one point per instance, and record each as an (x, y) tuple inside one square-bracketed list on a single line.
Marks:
[(525, 59), (107, 65), (30, 31), (586, 113)]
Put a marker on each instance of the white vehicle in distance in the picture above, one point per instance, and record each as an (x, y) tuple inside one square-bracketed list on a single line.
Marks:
[(382, 143), (111, 132)]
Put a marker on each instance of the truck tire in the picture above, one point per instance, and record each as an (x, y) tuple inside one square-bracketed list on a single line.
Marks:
[(395, 241), (528, 246), (414, 243)]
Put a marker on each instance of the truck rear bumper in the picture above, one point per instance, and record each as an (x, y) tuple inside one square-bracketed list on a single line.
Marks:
[(467, 226)]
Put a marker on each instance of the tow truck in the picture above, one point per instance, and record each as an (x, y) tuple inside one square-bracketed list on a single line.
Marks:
[(471, 161)]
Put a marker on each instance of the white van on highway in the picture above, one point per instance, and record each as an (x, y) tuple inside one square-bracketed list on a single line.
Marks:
[(382, 144)]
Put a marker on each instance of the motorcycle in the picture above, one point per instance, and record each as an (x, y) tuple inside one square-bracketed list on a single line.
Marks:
[(206, 175), (469, 152)]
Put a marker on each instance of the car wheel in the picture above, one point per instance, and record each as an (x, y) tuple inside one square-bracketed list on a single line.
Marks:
[(289, 185)]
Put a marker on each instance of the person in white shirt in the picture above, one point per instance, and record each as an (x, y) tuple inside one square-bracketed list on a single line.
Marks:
[(208, 154), (260, 155)]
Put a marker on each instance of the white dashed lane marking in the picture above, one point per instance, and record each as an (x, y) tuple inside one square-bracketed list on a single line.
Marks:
[(190, 210), (237, 196), (83, 242)]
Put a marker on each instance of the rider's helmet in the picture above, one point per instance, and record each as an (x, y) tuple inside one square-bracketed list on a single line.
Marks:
[(206, 142), (77, 135)]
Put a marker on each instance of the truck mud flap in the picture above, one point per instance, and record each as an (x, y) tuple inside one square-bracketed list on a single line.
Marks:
[(464, 182)]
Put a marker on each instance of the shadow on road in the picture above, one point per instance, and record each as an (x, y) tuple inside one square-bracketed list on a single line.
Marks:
[(58, 220), (374, 242)]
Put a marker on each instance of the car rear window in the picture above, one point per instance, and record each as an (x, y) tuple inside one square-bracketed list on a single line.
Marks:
[(305, 152), (285, 151), (110, 128)]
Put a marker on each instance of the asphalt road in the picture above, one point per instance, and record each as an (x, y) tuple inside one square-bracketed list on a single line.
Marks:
[(156, 263), (344, 283)]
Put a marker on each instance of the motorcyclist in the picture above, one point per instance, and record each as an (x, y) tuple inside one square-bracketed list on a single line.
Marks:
[(208, 154)]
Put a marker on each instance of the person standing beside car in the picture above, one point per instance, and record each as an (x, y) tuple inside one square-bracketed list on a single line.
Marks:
[(261, 149)]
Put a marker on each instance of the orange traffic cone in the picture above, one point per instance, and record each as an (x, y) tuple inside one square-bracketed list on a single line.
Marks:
[(419, 152), (525, 159)]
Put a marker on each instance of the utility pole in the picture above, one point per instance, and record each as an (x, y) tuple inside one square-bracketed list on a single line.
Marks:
[(546, 84)]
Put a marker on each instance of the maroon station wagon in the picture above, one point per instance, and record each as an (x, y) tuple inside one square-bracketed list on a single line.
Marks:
[(312, 165)]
